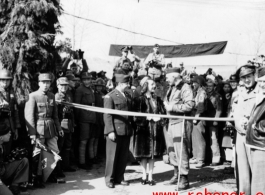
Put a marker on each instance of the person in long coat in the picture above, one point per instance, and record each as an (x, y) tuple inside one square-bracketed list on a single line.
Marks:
[(148, 136)]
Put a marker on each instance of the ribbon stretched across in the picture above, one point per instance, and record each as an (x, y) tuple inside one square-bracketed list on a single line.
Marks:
[(128, 113)]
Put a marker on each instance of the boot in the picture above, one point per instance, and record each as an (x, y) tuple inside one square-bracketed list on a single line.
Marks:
[(36, 179), (172, 181), (183, 183)]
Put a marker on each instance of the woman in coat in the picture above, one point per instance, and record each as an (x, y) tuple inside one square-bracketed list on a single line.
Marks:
[(148, 136)]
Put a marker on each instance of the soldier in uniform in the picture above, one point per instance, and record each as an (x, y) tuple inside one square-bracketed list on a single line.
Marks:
[(41, 115), (86, 120), (214, 109), (178, 101), (9, 107), (124, 60), (66, 119), (198, 130), (242, 110), (14, 173), (154, 63), (117, 131), (99, 102)]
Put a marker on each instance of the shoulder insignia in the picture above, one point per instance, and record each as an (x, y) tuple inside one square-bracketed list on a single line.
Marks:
[(106, 96), (221, 98), (201, 98)]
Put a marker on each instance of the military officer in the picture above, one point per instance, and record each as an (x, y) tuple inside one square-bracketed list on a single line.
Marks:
[(8, 106), (198, 130), (66, 118), (178, 101), (41, 115), (242, 110), (214, 109), (86, 120), (117, 131)]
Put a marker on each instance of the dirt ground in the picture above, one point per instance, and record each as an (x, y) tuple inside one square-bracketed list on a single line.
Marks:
[(92, 182)]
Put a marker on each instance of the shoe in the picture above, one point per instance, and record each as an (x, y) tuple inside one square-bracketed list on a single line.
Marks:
[(151, 183), (52, 179), (193, 161), (183, 183), (200, 164), (110, 185), (69, 169), (37, 182), (143, 181), (15, 190), (228, 170), (214, 164), (124, 183), (172, 181)]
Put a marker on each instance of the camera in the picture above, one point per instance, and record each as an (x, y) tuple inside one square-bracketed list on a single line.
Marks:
[(78, 54)]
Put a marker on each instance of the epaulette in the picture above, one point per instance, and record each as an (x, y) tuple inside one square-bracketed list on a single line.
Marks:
[(109, 94)]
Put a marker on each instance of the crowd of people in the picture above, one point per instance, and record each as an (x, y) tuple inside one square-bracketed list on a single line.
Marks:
[(77, 135)]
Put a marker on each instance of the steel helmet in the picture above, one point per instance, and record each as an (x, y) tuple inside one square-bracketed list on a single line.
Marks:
[(5, 74)]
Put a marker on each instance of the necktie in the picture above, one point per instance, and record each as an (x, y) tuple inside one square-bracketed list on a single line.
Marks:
[(169, 93)]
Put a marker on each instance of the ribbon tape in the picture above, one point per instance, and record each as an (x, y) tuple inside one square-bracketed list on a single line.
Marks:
[(128, 113)]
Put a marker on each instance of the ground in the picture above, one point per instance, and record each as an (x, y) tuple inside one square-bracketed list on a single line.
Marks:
[(92, 182)]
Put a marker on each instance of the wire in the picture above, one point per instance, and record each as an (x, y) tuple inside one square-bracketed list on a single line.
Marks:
[(239, 54), (122, 28)]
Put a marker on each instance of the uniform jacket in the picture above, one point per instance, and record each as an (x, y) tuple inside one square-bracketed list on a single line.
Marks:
[(85, 96), (120, 124), (181, 98), (41, 114), (99, 102), (65, 113), (2, 164), (9, 118), (159, 58), (255, 135), (244, 106)]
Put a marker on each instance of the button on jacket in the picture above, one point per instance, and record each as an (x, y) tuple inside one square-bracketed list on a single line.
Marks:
[(117, 123), (41, 115)]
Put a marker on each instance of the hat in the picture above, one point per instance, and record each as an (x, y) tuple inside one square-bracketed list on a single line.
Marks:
[(100, 82), (122, 78), (5, 74), (124, 49), (261, 72), (62, 81), (94, 74), (76, 79), (135, 82), (210, 81), (45, 77), (193, 75), (245, 70), (220, 77), (181, 64), (227, 82), (70, 76), (199, 79), (173, 70), (233, 78), (156, 45), (86, 75)]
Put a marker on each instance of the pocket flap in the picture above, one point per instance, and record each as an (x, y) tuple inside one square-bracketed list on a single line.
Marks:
[(41, 104)]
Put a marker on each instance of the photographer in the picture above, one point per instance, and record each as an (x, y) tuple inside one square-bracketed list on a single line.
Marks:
[(77, 63), (154, 63)]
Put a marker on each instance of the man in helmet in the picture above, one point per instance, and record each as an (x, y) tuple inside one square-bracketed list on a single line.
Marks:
[(41, 115), (8, 107)]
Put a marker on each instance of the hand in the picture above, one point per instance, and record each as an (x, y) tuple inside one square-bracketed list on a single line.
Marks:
[(15, 134), (215, 123), (195, 122), (156, 119), (61, 133), (228, 124), (243, 122), (4, 104), (33, 139), (148, 118), (112, 136), (168, 107)]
